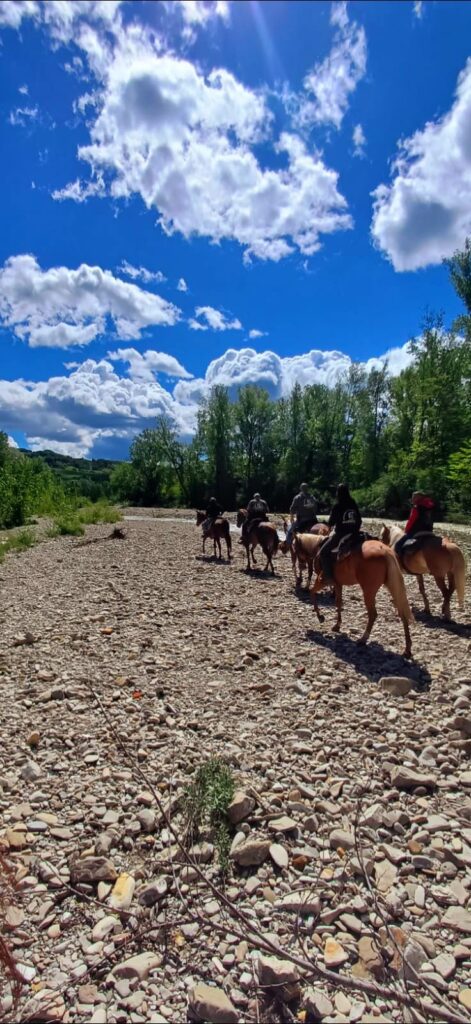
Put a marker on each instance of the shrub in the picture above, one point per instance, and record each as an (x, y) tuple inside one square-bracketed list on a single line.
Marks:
[(206, 802)]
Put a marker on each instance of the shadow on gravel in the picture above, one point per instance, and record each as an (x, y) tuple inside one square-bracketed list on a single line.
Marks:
[(462, 629), (261, 574), (374, 660), (213, 560)]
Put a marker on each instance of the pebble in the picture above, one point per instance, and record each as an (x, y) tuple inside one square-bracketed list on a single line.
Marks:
[(208, 1003)]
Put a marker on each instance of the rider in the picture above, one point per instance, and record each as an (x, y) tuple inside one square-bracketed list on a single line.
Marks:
[(257, 509), (212, 512), (344, 519), (420, 519), (302, 513)]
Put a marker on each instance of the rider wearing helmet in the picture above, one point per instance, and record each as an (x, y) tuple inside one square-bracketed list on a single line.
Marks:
[(302, 513)]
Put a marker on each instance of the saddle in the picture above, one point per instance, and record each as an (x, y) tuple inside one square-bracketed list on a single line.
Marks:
[(350, 543), (415, 544)]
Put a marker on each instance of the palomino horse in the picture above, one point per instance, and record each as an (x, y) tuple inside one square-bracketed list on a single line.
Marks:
[(302, 552), (443, 561), (261, 533), (370, 566), (219, 529)]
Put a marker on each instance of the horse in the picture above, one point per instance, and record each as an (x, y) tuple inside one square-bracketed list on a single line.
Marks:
[(219, 529), (443, 561), (261, 533), (301, 550), (370, 566)]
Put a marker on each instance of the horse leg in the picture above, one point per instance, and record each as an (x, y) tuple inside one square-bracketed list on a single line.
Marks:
[(219, 548), (420, 581), (370, 604), (313, 593), (338, 605), (254, 560), (451, 586), (440, 581), (310, 569)]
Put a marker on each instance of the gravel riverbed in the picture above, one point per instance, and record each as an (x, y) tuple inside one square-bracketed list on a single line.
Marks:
[(125, 665)]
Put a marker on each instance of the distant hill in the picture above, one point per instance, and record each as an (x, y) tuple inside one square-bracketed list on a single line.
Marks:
[(88, 477)]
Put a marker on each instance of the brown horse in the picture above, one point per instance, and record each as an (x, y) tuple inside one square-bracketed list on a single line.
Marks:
[(219, 529), (264, 534), (302, 552), (370, 566), (443, 561)]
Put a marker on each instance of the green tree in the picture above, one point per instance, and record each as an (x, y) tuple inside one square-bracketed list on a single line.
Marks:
[(215, 441), (253, 416)]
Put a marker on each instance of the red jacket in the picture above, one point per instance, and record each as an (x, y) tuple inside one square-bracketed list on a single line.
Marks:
[(420, 517)]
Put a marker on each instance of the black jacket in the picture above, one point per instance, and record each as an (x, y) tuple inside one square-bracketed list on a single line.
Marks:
[(214, 509), (345, 518)]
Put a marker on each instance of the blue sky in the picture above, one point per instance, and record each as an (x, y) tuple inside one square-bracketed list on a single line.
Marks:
[(201, 192)]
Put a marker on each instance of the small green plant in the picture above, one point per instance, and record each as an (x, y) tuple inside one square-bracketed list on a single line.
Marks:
[(23, 539), (67, 527), (206, 802), (17, 542), (99, 513)]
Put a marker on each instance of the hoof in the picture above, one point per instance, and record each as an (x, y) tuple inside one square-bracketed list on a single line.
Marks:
[(336, 628), (407, 654), (362, 642), (321, 618)]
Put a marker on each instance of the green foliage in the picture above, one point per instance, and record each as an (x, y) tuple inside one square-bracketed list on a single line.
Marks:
[(206, 802), (66, 526), (20, 541)]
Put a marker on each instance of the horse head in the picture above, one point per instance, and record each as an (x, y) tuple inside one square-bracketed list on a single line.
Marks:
[(200, 517), (241, 516)]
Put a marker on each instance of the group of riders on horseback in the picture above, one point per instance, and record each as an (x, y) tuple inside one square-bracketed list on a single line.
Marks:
[(343, 554), (344, 522)]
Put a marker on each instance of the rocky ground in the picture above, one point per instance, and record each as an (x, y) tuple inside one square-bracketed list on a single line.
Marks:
[(124, 666)]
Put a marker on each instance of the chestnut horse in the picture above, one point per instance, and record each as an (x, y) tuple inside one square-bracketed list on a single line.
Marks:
[(370, 566), (219, 528), (301, 551), (264, 534), (442, 561)]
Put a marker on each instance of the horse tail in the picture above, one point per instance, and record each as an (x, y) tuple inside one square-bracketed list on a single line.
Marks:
[(459, 573), (276, 541), (397, 589)]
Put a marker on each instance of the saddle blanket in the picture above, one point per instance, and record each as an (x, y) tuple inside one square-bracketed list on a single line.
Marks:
[(414, 544)]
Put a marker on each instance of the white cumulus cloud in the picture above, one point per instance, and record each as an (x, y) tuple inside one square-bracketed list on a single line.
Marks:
[(331, 82), (23, 116), (184, 141), (141, 273), (61, 307), (182, 285), (208, 317), (359, 141), (12, 443), (198, 14), (95, 406), (60, 17), (425, 214), (255, 333), (144, 366)]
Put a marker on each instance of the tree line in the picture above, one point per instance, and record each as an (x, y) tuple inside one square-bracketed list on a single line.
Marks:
[(384, 435)]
